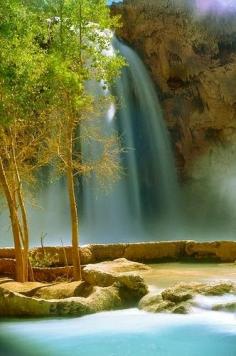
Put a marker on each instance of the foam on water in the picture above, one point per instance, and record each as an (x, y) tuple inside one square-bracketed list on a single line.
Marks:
[(126, 333)]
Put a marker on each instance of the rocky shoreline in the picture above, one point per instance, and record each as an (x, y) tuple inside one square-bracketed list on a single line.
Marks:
[(106, 286)]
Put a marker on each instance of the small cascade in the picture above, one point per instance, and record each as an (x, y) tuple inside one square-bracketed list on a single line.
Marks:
[(145, 200)]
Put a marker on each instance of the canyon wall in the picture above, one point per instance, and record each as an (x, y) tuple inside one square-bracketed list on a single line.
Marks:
[(192, 60)]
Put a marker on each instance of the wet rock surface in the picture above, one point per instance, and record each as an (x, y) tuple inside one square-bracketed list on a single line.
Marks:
[(180, 299), (227, 307), (107, 286)]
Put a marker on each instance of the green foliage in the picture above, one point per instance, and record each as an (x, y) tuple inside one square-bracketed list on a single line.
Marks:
[(23, 65), (43, 260), (78, 54), (51, 50)]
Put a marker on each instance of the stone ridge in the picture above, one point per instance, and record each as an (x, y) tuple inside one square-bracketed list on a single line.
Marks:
[(216, 251)]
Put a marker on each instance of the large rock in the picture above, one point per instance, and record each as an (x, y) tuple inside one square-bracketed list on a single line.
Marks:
[(107, 286), (16, 304), (155, 303), (119, 271), (183, 291), (181, 298)]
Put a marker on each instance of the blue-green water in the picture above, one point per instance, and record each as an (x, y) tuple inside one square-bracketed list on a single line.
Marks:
[(122, 333)]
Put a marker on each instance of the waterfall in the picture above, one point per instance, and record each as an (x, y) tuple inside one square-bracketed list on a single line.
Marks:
[(143, 204), (145, 199)]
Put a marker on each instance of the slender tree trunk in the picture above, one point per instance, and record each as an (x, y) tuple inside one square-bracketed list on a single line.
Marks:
[(73, 208), (25, 233), (20, 275), (20, 199)]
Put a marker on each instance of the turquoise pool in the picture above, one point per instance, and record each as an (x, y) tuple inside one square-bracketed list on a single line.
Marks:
[(122, 333)]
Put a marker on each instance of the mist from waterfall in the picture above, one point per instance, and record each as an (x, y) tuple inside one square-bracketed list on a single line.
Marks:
[(144, 203)]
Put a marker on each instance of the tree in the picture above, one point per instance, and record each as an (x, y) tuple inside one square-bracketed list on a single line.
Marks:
[(78, 44), (23, 106), (50, 51)]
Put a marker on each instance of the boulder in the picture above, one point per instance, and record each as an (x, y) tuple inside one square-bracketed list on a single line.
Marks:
[(154, 303), (151, 302), (16, 304), (120, 271), (107, 286), (177, 295), (180, 298)]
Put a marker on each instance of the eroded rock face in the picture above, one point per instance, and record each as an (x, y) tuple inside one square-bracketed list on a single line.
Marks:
[(122, 272), (180, 298), (16, 304), (193, 63)]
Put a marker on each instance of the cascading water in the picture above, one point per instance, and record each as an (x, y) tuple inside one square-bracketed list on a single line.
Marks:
[(143, 204), (146, 197)]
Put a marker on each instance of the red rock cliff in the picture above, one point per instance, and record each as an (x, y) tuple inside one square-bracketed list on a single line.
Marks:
[(192, 60)]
